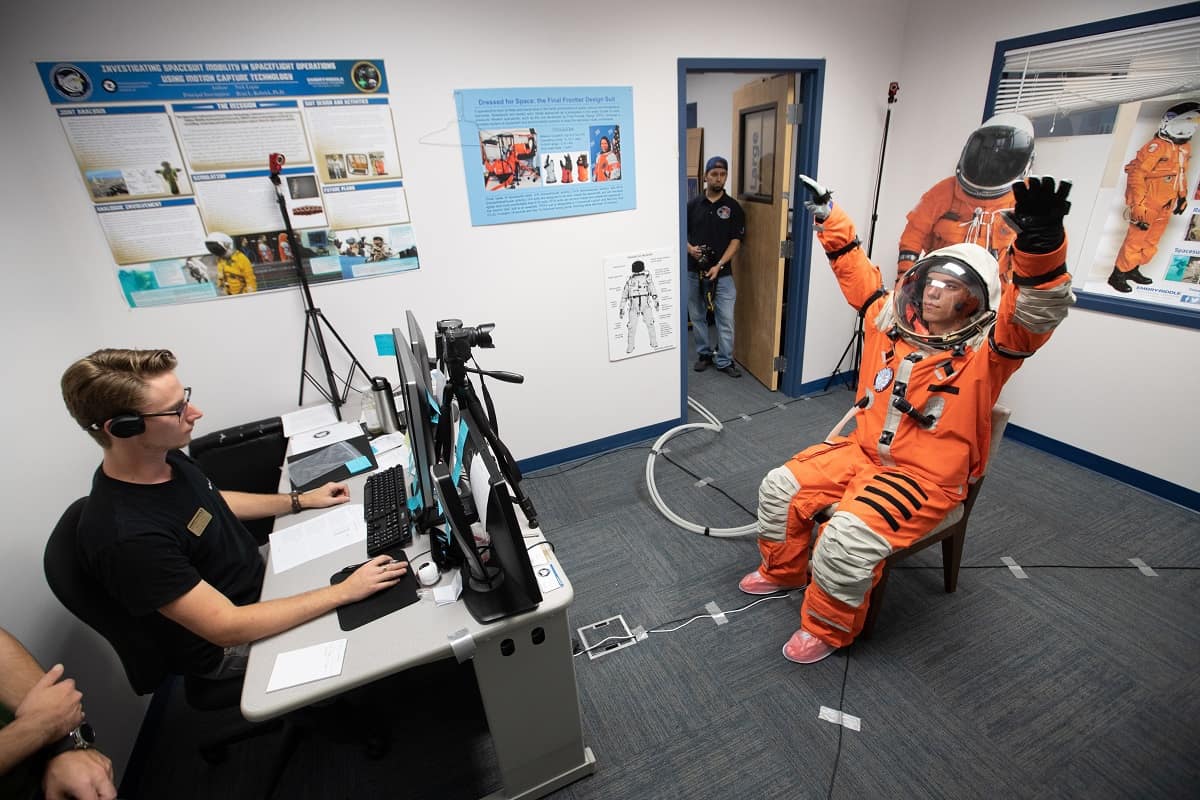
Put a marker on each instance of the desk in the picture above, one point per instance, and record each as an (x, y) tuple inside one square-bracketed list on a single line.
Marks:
[(529, 695)]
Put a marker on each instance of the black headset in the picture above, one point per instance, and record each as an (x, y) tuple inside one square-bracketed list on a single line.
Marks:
[(122, 426)]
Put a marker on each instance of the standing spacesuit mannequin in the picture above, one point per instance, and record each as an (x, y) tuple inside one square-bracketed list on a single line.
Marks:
[(968, 206), (640, 299), (937, 350), (235, 275), (1156, 188)]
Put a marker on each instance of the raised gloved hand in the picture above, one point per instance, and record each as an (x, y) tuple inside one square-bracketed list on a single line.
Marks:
[(1038, 214), (1181, 205), (821, 203)]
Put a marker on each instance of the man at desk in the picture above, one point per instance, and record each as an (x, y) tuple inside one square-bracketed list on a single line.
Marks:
[(167, 545)]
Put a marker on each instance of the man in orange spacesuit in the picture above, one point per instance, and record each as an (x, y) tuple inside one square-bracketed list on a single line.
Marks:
[(968, 206), (937, 351), (1156, 188)]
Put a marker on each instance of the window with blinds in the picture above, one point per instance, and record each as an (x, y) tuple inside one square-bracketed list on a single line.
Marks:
[(1074, 86)]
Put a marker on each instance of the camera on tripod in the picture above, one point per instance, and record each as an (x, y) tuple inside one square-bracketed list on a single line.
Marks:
[(454, 340)]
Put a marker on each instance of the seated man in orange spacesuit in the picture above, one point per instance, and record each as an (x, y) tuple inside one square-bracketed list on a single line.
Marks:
[(937, 351)]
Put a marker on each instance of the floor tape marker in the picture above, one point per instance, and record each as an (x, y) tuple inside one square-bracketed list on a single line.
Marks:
[(1143, 568), (700, 484), (717, 614), (839, 718), (1015, 568)]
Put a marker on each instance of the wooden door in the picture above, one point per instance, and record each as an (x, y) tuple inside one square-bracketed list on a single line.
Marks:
[(762, 151)]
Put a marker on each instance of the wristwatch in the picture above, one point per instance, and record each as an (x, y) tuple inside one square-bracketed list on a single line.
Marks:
[(81, 738)]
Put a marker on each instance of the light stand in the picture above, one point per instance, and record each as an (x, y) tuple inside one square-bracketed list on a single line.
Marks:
[(856, 338), (313, 317)]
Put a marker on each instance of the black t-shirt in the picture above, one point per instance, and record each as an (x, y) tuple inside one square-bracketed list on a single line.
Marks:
[(135, 540), (714, 224)]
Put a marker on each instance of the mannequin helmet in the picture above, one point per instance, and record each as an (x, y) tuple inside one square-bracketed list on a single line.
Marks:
[(219, 244), (998, 153), (961, 267), (1180, 121)]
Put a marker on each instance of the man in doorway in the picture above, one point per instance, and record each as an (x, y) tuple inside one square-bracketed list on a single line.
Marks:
[(167, 545), (716, 226), (44, 740), (942, 345)]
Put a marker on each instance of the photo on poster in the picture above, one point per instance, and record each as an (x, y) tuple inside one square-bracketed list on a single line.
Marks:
[(375, 250), (640, 302), (606, 152), (509, 159)]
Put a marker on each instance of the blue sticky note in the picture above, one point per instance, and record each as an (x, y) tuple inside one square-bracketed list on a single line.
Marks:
[(357, 465), (385, 345)]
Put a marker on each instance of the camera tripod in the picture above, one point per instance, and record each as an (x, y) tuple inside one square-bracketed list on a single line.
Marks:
[(480, 430)]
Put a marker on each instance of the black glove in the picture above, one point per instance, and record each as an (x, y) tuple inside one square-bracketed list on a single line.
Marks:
[(1038, 214), (1181, 205)]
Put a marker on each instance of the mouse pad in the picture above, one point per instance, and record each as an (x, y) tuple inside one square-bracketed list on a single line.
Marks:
[(380, 604)]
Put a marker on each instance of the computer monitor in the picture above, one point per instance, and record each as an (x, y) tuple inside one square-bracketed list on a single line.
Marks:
[(423, 502), (420, 352), (503, 584)]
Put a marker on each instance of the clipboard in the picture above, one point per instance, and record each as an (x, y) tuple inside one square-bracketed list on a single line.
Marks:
[(334, 462)]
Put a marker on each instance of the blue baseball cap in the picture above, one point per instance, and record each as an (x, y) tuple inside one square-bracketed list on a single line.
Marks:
[(714, 162)]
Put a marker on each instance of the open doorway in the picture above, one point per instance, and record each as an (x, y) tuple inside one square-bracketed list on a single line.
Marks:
[(757, 114)]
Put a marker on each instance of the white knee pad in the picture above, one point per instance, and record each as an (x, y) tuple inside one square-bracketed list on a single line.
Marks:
[(844, 560), (775, 493)]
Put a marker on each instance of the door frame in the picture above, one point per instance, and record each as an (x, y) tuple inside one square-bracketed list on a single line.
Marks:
[(810, 89)]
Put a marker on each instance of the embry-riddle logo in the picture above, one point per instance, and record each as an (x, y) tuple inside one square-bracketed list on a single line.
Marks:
[(723, 212)]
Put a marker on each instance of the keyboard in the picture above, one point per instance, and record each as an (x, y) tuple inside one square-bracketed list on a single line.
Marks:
[(385, 510)]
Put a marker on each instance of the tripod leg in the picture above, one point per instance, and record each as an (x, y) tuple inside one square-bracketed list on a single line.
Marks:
[(354, 362), (304, 359)]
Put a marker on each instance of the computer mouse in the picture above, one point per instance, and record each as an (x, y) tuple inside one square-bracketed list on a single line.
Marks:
[(427, 573)]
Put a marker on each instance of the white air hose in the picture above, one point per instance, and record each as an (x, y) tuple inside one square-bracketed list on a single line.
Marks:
[(715, 425)]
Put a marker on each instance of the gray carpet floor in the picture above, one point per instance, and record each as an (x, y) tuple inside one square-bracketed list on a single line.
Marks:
[(1082, 680)]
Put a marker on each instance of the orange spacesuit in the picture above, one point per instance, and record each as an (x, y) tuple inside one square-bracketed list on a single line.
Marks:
[(967, 206), (923, 417), (947, 215), (1155, 188), (607, 166)]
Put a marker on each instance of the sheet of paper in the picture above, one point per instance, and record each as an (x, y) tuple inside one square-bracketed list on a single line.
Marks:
[(338, 527), (480, 488), (306, 419), (307, 664), (320, 437), (445, 595)]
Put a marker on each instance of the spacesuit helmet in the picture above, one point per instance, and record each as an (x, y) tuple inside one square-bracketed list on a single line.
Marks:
[(1180, 122), (219, 244), (997, 154), (948, 297), (638, 266)]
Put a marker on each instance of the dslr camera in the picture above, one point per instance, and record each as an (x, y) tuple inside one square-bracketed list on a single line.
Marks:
[(454, 340)]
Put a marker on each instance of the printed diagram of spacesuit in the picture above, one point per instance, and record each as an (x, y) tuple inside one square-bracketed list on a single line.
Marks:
[(1155, 189), (639, 299), (969, 205)]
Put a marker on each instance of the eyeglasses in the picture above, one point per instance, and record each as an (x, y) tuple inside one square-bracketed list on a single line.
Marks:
[(178, 411)]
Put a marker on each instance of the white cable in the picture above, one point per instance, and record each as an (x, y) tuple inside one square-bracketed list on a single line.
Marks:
[(713, 424)]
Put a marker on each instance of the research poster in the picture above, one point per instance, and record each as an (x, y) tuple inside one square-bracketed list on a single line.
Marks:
[(639, 291), (541, 153), (175, 159)]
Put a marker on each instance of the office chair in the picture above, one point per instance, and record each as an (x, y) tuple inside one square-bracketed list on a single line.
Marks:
[(244, 458), (951, 532), (144, 664)]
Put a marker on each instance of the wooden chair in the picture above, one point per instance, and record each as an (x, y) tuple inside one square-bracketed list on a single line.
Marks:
[(951, 532)]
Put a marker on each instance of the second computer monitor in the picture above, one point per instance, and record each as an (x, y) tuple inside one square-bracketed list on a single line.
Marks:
[(420, 429), (420, 352)]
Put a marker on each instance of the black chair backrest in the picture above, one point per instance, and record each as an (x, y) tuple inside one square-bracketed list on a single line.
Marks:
[(245, 458), (84, 597)]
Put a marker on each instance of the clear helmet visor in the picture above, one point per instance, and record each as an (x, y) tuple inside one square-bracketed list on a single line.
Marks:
[(993, 159), (942, 301)]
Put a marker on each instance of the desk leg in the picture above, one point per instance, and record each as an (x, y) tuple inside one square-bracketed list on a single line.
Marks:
[(532, 708)]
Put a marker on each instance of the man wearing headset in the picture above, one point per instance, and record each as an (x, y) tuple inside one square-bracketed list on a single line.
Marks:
[(167, 545), (937, 351)]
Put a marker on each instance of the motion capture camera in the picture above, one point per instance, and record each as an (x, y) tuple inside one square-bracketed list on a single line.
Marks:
[(276, 161), (454, 340)]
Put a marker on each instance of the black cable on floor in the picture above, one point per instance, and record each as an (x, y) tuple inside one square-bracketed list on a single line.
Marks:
[(837, 757), (730, 497)]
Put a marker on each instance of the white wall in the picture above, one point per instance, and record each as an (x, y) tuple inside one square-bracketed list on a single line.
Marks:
[(540, 282), (712, 92)]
